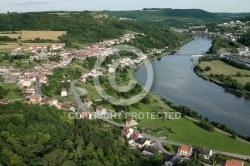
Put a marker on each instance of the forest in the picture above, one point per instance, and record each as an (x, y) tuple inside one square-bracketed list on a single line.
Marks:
[(44, 135), (85, 28), (167, 17), (220, 43)]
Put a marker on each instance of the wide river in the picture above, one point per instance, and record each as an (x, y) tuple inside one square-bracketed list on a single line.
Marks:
[(175, 80)]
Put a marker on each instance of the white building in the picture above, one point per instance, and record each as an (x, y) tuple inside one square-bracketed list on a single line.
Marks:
[(64, 92)]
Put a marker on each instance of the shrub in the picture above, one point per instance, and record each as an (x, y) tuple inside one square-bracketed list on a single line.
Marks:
[(208, 68)]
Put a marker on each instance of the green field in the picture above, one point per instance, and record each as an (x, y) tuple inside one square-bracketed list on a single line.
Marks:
[(186, 132), (14, 93), (219, 67)]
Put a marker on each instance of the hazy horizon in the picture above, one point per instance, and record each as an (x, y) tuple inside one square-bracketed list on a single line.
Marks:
[(241, 6)]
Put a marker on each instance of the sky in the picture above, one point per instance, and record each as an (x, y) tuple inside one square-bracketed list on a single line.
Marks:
[(80, 5)]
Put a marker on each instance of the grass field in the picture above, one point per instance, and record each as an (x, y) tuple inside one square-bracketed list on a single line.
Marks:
[(11, 35), (219, 67), (9, 46), (30, 35), (13, 94), (186, 132)]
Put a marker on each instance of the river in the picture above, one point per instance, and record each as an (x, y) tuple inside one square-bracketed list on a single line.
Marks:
[(176, 81)]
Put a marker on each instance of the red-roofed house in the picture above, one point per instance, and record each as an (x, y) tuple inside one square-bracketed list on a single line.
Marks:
[(131, 122), (67, 107), (134, 136), (44, 101), (4, 101), (127, 132), (35, 99), (85, 115), (87, 102), (185, 151), (234, 163), (100, 110)]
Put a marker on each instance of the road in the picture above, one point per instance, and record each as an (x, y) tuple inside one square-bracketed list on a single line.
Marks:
[(38, 87), (158, 141)]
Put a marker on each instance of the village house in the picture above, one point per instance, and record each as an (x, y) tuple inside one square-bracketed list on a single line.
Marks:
[(67, 107), (59, 104), (234, 163), (134, 136), (44, 101), (111, 70), (131, 122), (25, 82), (185, 151), (43, 79), (4, 101), (141, 142), (174, 160), (127, 132), (31, 90), (64, 92), (100, 110), (34, 99), (53, 102), (87, 102), (85, 115), (83, 80), (205, 153)]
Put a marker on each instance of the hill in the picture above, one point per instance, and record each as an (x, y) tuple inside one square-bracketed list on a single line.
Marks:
[(43, 135), (155, 13), (168, 17), (85, 27), (234, 15)]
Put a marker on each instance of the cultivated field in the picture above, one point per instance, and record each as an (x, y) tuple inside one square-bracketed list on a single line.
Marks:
[(40, 44), (219, 67), (30, 35), (9, 46)]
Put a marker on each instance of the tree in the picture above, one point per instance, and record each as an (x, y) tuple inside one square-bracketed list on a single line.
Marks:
[(238, 74), (208, 68), (247, 86)]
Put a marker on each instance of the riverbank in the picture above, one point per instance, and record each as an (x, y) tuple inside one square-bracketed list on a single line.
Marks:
[(219, 68), (227, 89)]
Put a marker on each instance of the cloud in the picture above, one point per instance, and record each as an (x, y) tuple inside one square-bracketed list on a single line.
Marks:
[(32, 2)]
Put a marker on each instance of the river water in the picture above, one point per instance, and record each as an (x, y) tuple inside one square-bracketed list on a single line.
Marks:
[(175, 80)]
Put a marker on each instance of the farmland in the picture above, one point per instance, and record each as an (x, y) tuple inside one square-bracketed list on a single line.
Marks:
[(218, 67), (31, 35)]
